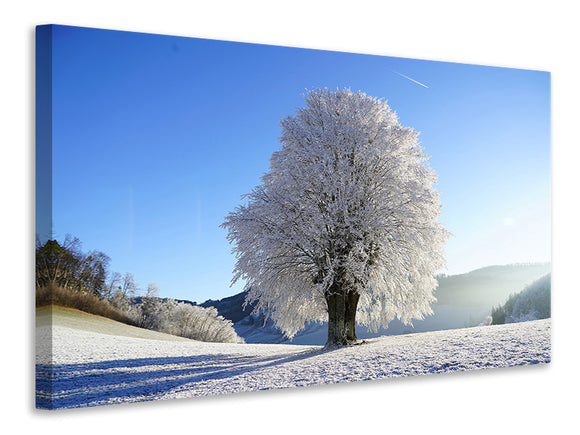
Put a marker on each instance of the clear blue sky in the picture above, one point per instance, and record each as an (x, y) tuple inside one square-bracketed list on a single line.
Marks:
[(155, 138)]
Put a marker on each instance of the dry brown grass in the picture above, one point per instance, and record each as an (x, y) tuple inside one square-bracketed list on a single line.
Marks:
[(58, 296)]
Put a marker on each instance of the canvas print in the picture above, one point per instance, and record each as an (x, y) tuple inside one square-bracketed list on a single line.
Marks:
[(215, 217)]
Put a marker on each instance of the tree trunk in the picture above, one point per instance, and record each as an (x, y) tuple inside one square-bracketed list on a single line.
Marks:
[(351, 304), (341, 317)]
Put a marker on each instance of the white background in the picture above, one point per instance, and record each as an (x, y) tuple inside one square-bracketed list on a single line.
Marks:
[(521, 34)]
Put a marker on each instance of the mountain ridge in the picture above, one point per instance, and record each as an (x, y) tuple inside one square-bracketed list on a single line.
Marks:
[(462, 300)]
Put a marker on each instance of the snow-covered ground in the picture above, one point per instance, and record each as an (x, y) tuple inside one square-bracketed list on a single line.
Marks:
[(90, 368)]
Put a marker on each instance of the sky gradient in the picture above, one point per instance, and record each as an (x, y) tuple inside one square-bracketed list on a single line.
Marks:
[(155, 138)]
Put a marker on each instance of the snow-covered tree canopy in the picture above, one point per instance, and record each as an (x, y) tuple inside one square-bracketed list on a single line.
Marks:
[(348, 206)]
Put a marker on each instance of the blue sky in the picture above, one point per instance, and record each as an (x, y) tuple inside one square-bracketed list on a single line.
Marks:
[(155, 138)]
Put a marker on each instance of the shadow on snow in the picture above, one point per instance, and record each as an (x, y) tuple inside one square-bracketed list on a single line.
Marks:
[(95, 383)]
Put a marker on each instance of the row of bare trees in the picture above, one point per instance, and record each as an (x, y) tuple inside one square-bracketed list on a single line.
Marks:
[(172, 317)]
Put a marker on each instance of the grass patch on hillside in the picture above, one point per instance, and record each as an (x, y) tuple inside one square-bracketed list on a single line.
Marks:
[(57, 296), (53, 315)]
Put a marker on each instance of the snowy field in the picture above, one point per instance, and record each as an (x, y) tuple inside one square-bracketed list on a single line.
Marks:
[(90, 368)]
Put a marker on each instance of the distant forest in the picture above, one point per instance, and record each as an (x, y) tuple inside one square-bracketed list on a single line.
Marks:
[(532, 303)]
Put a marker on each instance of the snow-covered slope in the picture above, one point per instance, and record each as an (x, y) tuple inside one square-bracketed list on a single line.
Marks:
[(89, 368), (71, 318)]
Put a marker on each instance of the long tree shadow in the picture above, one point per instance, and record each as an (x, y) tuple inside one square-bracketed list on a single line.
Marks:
[(94, 383)]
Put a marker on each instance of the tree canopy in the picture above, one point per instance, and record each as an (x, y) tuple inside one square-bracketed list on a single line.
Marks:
[(65, 265), (344, 223)]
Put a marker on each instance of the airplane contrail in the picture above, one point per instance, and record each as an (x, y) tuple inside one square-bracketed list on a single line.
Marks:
[(409, 78)]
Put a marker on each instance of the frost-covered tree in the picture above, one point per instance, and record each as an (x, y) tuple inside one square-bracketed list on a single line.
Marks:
[(150, 306), (189, 321), (345, 224), (177, 318)]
